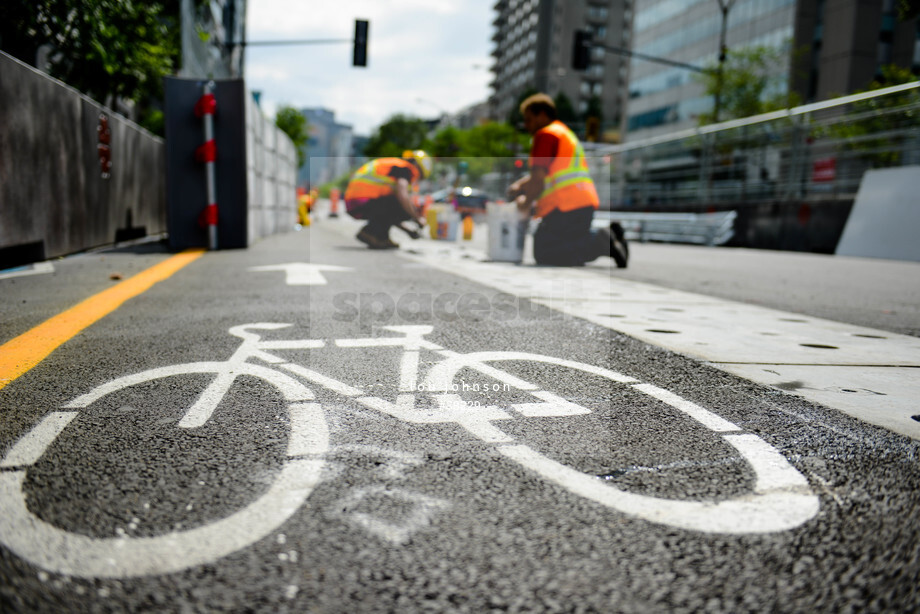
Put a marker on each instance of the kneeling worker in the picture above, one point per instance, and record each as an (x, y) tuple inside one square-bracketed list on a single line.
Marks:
[(379, 193), (563, 193)]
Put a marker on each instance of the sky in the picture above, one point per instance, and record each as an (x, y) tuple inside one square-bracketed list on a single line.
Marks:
[(425, 57)]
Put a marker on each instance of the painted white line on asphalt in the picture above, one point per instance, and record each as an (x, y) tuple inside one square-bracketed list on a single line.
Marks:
[(303, 273), (703, 416), (30, 448), (441, 376), (321, 380), (309, 434), (552, 405), (820, 360), (65, 552), (408, 370), (61, 551), (773, 471), (776, 506), (451, 409)]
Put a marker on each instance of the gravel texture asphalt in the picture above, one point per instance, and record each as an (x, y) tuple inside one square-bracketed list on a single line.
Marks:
[(407, 516)]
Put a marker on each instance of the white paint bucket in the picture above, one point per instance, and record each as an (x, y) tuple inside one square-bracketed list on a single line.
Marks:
[(507, 230)]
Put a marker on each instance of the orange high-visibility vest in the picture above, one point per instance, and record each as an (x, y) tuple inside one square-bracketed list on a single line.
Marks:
[(568, 185), (373, 181)]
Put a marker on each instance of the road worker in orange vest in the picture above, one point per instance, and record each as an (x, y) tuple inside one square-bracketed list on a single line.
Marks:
[(380, 192), (560, 192)]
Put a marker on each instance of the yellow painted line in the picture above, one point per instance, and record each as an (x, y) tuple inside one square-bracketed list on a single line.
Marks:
[(28, 349)]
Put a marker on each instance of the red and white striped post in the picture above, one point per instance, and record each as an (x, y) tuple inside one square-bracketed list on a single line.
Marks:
[(207, 153)]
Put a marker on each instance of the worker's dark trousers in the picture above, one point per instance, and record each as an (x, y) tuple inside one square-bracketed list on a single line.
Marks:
[(567, 239), (381, 214)]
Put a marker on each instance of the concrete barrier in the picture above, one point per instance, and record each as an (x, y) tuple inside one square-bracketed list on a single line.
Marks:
[(54, 197)]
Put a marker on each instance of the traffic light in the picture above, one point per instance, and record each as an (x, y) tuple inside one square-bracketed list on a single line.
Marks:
[(581, 49), (360, 55)]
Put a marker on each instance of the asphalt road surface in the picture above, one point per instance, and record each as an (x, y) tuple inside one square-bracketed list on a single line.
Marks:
[(310, 426)]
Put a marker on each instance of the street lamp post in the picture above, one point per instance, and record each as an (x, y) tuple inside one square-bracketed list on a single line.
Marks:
[(445, 116), (725, 6)]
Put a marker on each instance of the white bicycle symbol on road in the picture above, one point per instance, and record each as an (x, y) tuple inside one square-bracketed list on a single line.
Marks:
[(781, 498)]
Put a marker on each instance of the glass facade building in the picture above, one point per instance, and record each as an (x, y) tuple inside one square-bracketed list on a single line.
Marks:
[(665, 98), (533, 50), (832, 48)]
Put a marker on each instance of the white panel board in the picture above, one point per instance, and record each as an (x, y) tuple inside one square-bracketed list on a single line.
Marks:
[(885, 219)]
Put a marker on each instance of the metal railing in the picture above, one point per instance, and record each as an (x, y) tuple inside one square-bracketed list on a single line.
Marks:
[(812, 152)]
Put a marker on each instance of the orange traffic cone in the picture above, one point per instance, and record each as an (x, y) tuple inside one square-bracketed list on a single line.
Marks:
[(334, 202)]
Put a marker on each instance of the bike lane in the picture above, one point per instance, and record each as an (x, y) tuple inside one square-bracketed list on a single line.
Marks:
[(414, 507)]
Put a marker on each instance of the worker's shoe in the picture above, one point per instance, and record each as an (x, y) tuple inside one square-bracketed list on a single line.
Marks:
[(619, 247), (375, 242)]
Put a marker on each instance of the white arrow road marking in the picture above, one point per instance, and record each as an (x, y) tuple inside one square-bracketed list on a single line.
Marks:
[(303, 273)]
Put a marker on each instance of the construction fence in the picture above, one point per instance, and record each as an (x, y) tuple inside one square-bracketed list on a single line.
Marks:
[(791, 175)]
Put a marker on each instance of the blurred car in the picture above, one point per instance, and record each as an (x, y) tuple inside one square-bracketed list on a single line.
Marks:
[(468, 199)]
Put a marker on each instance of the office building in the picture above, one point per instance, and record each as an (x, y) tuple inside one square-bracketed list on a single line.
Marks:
[(831, 48), (533, 50), (850, 42), (329, 148)]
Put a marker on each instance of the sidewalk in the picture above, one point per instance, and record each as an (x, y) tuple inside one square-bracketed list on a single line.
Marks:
[(871, 374)]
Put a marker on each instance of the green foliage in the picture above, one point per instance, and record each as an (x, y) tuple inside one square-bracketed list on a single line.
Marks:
[(104, 48), (447, 143), (485, 148), (754, 81), (154, 121), (490, 147), (595, 109), (515, 118), (908, 9), (397, 134), (879, 116), (565, 111), (491, 140), (292, 122), (340, 182)]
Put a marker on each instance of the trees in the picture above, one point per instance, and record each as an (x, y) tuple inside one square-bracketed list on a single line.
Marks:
[(484, 147), (754, 81), (490, 147), (908, 9), (874, 126), (565, 110), (107, 49), (447, 143), (292, 122), (397, 134), (593, 118), (515, 118)]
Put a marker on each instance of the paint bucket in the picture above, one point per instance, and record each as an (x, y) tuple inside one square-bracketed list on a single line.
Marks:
[(443, 222), (507, 230)]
